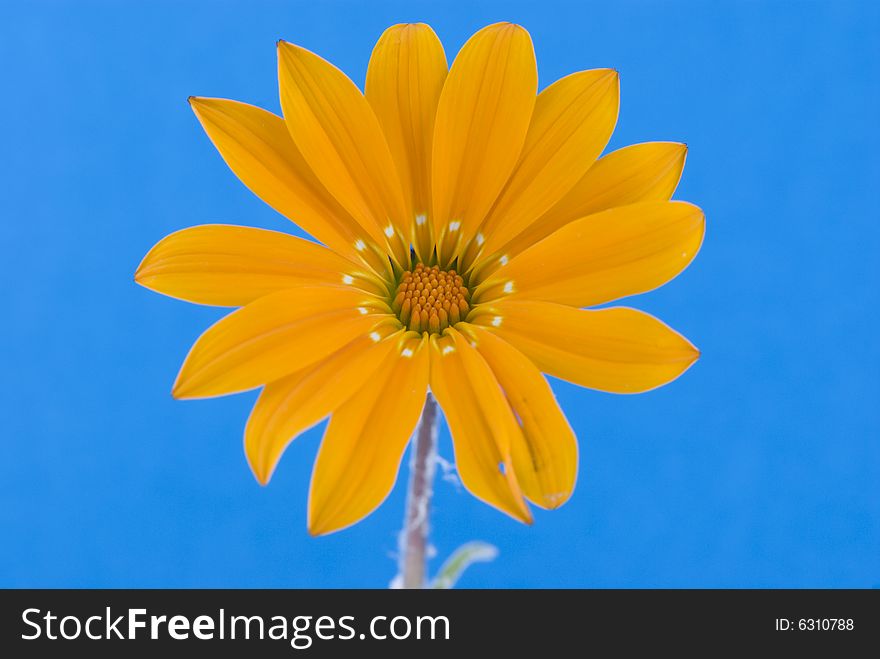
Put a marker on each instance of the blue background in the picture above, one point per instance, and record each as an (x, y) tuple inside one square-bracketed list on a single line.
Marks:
[(759, 467)]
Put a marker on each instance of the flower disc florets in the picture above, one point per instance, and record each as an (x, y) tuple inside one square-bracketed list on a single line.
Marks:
[(429, 299)]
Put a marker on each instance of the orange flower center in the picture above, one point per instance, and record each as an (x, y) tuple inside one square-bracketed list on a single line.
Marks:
[(429, 299)]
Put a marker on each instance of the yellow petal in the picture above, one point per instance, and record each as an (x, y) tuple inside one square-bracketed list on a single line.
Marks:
[(482, 120), (619, 350), (231, 266), (292, 405), (638, 173), (603, 257), (273, 337), (360, 454), (257, 147), (573, 121), (545, 454), (482, 426), (404, 80), (339, 136)]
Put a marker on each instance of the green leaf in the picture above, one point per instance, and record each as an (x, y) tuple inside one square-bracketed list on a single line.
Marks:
[(461, 559)]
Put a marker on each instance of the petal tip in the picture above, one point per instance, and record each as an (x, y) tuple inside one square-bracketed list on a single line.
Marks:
[(519, 29), (555, 501), (691, 357), (198, 101), (680, 152), (143, 266), (506, 26), (287, 47), (317, 529), (613, 78), (262, 476), (182, 389), (144, 281), (688, 206), (198, 104), (318, 522)]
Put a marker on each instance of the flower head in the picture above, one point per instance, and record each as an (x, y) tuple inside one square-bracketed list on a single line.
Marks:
[(463, 222)]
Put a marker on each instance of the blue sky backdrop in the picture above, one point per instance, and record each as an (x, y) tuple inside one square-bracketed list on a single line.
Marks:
[(759, 467)]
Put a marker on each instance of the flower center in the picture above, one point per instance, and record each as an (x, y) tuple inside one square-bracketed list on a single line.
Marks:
[(429, 299)]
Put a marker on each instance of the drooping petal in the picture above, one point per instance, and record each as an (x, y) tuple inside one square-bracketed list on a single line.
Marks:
[(545, 453), (619, 350), (634, 174), (339, 136), (573, 121), (360, 454), (481, 423), (274, 336), (603, 257), (257, 147), (482, 120), (404, 80), (231, 266), (293, 404)]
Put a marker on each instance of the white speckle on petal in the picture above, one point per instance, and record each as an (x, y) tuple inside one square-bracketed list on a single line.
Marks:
[(454, 225), (362, 311), (347, 279), (448, 349), (406, 352), (480, 239), (421, 219), (504, 260), (376, 337), (360, 245), (496, 321), (389, 230), (553, 498), (508, 287)]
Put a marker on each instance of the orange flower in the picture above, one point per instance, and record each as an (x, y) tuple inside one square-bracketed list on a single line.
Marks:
[(464, 221)]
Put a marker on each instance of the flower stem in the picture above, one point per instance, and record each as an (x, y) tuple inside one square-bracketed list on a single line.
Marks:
[(423, 464)]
